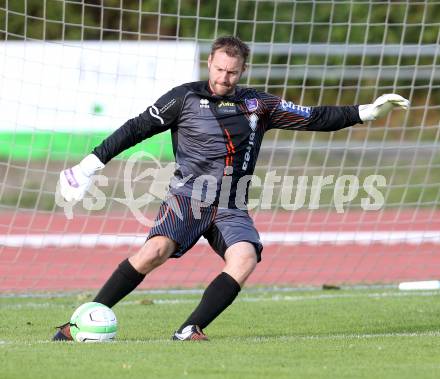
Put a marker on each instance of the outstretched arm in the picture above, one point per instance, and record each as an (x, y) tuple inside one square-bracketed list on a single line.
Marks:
[(157, 118), (287, 115)]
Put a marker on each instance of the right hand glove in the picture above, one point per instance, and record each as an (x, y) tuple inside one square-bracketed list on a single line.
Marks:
[(75, 181)]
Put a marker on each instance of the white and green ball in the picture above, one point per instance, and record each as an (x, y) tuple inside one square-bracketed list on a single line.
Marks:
[(93, 322)]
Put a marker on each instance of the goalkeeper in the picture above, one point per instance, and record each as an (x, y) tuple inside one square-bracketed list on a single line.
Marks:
[(217, 128)]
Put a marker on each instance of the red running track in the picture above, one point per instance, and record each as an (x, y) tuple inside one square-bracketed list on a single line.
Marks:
[(75, 267)]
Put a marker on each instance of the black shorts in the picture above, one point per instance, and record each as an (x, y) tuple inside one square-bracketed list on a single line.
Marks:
[(181, 219)]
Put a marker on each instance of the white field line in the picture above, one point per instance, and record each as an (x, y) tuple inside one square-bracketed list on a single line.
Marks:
[(246, 299), (255, 339), (267, 238)]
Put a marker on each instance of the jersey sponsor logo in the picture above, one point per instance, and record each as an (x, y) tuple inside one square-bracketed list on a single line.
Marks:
[(251, 104), (167, 106), (253, 122), (226, 107), (226, 104), (253, 119), (154, 112), (204, 103), (289, 106)]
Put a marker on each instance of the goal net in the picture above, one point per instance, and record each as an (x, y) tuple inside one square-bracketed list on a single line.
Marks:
[(357, 206)]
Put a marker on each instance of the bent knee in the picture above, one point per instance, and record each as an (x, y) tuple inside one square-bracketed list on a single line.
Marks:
[(242, 253), (249, 263), (158, 249), (154, 253), (241, 261)]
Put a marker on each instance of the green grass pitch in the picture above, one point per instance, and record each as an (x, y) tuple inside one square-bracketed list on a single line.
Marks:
[(357, 333)]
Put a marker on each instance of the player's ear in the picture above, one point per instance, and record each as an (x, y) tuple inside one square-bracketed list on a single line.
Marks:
[(209, 60)]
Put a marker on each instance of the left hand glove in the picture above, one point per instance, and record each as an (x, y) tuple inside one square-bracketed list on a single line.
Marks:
[(382, 106)]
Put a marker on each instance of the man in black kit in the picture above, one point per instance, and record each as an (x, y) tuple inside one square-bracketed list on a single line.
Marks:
[(217, 128)]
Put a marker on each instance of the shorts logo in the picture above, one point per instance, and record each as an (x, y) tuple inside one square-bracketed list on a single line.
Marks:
[(204, 103), (251, 104)]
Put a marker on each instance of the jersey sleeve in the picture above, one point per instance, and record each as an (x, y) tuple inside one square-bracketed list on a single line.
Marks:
[(157, 118), (287, 115)]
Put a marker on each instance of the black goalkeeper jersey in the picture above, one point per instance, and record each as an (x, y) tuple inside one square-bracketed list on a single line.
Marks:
[(216, 137)]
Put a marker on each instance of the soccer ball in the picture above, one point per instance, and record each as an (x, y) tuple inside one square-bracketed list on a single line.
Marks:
[(93, 322)]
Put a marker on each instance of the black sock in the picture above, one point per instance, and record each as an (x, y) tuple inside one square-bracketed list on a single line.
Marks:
[(123, 280), (220, 293)]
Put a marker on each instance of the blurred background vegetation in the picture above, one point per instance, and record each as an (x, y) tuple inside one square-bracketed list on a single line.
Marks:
[(381, 23), (412, 171)]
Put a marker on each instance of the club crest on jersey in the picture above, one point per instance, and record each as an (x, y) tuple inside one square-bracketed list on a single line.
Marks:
[(251, 104), (204, 103)]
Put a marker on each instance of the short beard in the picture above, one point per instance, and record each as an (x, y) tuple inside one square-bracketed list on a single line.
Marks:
[(231, 92)]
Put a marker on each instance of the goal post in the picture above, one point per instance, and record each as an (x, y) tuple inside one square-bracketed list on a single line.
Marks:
[(357, 206)]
